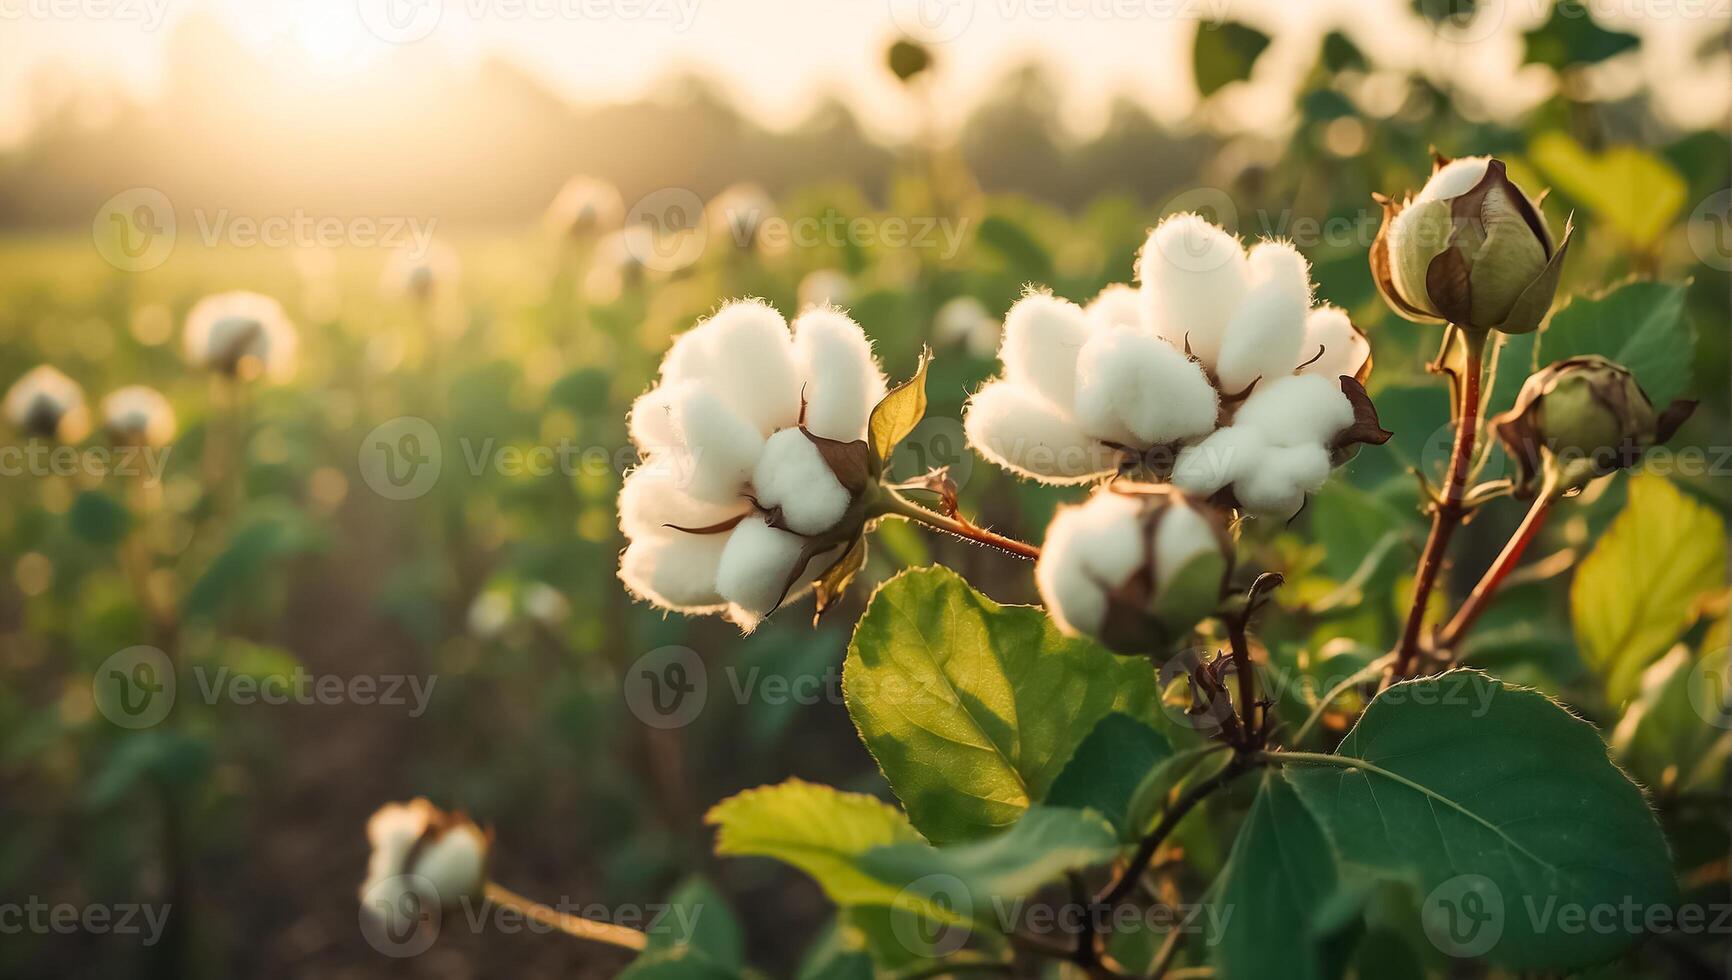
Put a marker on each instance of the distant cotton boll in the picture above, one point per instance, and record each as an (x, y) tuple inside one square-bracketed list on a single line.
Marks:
[(1333, 345), (965, 322), (825, 287), (1193, 277), (138, 416), (422, 275), (243, 335), (737, 215), (585, 207), (545, 604), (47, 404), (489, 614), (440, 857)]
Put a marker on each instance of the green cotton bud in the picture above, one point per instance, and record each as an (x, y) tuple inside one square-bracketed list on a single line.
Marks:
[(1579, 419), (1470, 248)]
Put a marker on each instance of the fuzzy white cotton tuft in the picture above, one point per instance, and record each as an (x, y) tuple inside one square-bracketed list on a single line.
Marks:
[(138, 415), (419, 849), (1090, 550), (1193, 277), (841, 382), (45, 402), (755, 569), (1344, 349), (1118, 306), (1453, 179), (1264, 337), (1282, 477), (651, 420), (720, 448), (241, 334), (1181, 535), (745, 355), (793, 476), (675, 570), (652, 502), (1042, 337), (1206, 467), (1026, 434), (1297, 410), (1134, 389)]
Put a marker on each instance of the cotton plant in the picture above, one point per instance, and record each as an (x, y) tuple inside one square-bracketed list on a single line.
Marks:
[(243, 336)]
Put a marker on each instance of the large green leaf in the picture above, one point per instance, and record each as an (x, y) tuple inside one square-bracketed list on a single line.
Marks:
[(820, 830), (1504, 812), (1641, 325), (678, 963), (1107, 768), (984, 874), (1277, 894), (1639, 588), (1631, 189), (972, 708), (699, 917), (1673, 734), (1225, 53)]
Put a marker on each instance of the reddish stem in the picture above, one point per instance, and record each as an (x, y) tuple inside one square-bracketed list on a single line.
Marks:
[(1488, 585)]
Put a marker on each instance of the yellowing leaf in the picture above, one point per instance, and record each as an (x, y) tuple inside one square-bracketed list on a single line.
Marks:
[(1636, 192), (899, 412)]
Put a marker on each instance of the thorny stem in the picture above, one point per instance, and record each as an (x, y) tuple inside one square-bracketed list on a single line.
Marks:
[(1482, 593), (896, 504), (571, 925), (1449, 508)]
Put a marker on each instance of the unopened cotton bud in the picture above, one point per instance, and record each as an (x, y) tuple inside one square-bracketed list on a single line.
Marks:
[(138, 415), (422, 854), (1134, 566), (1333, 346), (243, 335), (47, 404), (1193, 277), (422, 274), (1470, 248), (1266, 332), (1043, 335)]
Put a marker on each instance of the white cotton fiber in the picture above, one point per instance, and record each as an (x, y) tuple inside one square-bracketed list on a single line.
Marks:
[(1024, 433), (1117, 307), (650, 500), (1344, 348), (755, 568), (1297, 410), (675, 569), (1193, 277), (1042, 337), (1135, 389), (793, 476), (721, 447), (745, 354), (1181, 535), (1264, 336), (1218, 460), (1453, 179), (840, 379), (1277, 486), (651, 420), (1089, 550)]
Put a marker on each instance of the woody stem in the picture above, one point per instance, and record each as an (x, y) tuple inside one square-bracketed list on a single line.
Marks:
[(1448, 510), (571, 925), (895, 504)]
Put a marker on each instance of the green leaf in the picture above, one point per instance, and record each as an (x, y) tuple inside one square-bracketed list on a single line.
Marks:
[(699, 917), (1636, 192), (820, 830), (835, 955), (1662, 738), (258, 544), (899, 412), (98, 518), (1638, 590), (1225, 53), (679, 963), (981, 876), (1149, 799), (1108, 767), (1571, 37), (1503, 811), (971, 708), (1278, 887), (1641, 325), (1024, 257)]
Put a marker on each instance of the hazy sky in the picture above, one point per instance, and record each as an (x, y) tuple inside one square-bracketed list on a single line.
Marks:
[(781, 56)]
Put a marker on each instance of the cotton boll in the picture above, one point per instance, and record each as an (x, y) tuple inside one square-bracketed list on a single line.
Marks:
[(1453, 179), (1042, 337), (824, 287), (755, 568), (138, 415), (1117, 306), (1265, 334), (1134, 389), (1089, 550), (47, 403), (745, 354), (793, 476), (651, 500), (721, 447), (965, 321), (417, 848), (1025, 434), (1345, 349), (245, 335), (675, 570), (1193, 277), (454, 862), (651, 420), (1297, 410), (1278, 484), (841, 380), (1206, 467)]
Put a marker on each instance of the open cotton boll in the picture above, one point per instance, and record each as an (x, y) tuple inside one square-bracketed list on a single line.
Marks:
[(755, 568), (1193, 277), (1281, 479), (793, 476), (1344, 348), (651, 419), (1089, 550), (419, 848), (721, 448), (745, 354), (1042, 337), (454, 862), (47, 403), (675, 570), (842, 382), (138, 415), (1118, 306), (651, 500), (1209, 465), (1026, 434), (1297, 410), (1265, 334), (243, 334), (1135, 389)]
